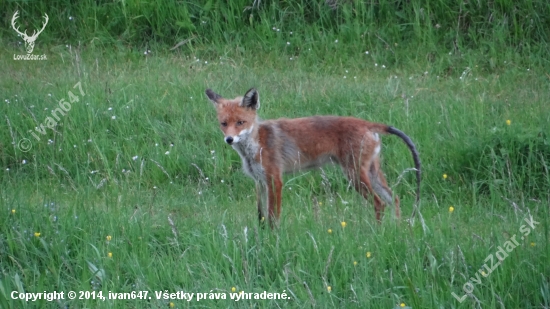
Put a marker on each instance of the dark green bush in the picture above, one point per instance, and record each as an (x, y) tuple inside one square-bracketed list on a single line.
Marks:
[(508, 161), (453, 25)]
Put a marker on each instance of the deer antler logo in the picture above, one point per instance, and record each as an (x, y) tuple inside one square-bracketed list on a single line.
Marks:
[(29, 40)]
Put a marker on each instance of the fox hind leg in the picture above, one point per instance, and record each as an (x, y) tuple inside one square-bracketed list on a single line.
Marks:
[(362, 184), (370, 180), (381, 189)]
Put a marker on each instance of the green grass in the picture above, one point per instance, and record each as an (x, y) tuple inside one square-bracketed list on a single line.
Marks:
[(181, 215), (481, 32)]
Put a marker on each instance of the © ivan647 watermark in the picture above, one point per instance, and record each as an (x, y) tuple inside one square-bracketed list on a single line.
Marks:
[(501, 254), (50, 122), (29, 39)]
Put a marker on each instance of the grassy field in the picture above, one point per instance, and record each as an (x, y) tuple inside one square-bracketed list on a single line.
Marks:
[(134, 189)]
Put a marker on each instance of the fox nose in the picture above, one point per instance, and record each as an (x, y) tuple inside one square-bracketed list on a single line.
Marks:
[(229, 140)]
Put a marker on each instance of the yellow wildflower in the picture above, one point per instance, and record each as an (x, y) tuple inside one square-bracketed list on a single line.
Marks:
[(343, 223), (451, 209), (36, 234)]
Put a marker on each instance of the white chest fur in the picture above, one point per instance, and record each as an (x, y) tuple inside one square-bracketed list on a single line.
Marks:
[(247, 149)]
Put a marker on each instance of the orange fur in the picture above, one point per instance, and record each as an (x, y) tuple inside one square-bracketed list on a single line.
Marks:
[(273, 147)]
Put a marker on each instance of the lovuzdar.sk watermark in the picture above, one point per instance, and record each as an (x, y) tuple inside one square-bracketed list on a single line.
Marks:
[(502, 253), (29, 39), (30, 57)]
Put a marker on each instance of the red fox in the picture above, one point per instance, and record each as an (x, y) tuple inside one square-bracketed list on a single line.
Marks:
[(269, 148)]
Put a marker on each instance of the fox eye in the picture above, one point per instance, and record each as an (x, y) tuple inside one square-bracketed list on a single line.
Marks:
[(224, 124), (240, 123)]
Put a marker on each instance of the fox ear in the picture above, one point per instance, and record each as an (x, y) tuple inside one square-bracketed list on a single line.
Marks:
[(251, 99), (212, 96)]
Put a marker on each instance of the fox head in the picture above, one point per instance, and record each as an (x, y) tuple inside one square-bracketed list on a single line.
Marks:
[(237, 117)]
